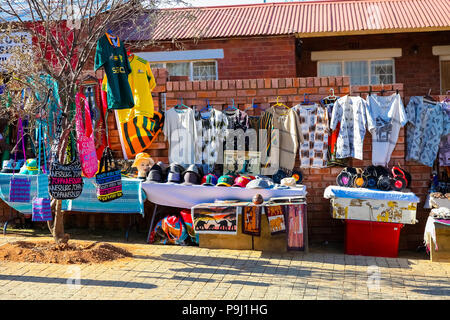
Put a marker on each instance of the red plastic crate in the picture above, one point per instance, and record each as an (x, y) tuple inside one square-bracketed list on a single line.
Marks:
[(367, 238)]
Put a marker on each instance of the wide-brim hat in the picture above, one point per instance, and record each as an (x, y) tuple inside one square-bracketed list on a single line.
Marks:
[(288, 182), (140, 157), (258, 184)]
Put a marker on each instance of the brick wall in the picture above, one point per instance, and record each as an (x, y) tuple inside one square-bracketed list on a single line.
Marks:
[(264, 92), (417, 71), (248, 58)]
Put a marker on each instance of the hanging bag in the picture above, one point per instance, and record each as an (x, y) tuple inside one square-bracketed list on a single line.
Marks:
[(64, 181), (85, 139), (108, 180), (41, 208), (19, 188)]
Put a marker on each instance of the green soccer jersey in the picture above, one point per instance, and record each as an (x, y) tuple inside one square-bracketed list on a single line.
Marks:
[(115, 62)]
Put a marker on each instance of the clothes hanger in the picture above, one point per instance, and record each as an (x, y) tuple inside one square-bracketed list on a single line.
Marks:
[(306, 101), (280, 105), (253, 106), (181, 105), (230, 107), (428, 98), (331, 96), (207, 108)]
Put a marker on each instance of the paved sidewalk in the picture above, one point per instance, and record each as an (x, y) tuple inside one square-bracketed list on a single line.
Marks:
[(174, 272)]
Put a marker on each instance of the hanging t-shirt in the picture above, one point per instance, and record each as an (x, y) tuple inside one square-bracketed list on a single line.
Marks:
[(117, 68), (287, 123), (444, 146), (211, 131), (351, 113), (142, 82), (237, 120), (427, 123), (180, 130), (314, 129), (385, 116)]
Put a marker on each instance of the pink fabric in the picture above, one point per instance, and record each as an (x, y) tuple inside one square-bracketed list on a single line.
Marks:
[(85, 139)]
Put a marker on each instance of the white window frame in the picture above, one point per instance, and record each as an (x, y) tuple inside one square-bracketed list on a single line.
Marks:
[(369, 61), (191, 66)]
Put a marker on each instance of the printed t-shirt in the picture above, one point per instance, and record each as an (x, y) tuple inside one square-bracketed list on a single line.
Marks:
[(314, 129), (427, 123), (117, 68), (211, 131), (351, 113), (385, 116)]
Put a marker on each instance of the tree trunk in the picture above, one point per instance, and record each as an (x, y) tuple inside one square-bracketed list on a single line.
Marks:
[(59, 236)]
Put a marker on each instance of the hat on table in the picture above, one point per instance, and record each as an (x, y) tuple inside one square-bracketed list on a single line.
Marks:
[(175, 171), (155, 174), (241, 181), (209, 180), (289, 182), (225, 181), (191, 175), (258, 184), (140, 157)]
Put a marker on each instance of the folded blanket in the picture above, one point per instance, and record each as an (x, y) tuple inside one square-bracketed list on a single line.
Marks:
[(362, 193)]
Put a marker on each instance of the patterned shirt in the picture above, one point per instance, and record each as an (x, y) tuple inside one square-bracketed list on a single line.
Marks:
[(211, 131), (314, 128), (444, 147), (237, 120), (427, 123), (351, 113)]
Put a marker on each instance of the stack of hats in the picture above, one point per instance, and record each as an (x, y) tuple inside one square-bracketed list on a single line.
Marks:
[(156, 173)]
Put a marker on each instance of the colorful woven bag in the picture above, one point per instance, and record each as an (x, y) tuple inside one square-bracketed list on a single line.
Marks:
[(85, 138), (41, 208), (64, 181), (19, 188), (108, 180)]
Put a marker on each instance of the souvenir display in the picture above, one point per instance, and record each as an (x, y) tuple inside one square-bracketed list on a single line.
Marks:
[(295, 226), (276, 218), (220, 220), (251, 220)]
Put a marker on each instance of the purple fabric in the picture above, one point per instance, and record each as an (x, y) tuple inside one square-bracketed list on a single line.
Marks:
[(19, 190), (41, 210)]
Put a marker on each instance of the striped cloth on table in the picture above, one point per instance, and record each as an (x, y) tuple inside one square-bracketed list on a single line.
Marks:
[(132, 200)]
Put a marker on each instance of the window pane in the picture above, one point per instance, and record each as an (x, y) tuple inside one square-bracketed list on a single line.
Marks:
[(205, 70), (358, 72), (330, 69), (178, 69), (156, 65), (382, 71)]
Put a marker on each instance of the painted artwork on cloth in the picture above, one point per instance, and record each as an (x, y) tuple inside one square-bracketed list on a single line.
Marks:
[(295, 227), (251, 220), (275, 215), (215, 220), (374, 210)]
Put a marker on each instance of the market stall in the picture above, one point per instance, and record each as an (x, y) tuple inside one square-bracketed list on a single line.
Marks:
[(373, 218), (238, 201), (437, 229)]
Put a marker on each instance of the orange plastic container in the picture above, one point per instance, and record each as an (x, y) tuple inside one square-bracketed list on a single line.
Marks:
[(367, 238)]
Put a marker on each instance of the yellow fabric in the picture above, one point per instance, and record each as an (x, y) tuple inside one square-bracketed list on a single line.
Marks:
[(142, 82)]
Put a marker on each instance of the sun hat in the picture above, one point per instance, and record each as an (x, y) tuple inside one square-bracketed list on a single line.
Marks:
[(241, 181), (142, 156), (258, 184), (29, 167), (209, 180), (225, 181), (289, 182)]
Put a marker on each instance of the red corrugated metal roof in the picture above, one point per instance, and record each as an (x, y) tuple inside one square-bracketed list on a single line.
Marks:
[(313, 18)]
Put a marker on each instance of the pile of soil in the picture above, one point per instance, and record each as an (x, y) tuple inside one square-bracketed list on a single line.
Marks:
[(72, 253)]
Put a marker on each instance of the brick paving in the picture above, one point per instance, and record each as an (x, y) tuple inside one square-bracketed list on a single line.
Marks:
[(174, 272)]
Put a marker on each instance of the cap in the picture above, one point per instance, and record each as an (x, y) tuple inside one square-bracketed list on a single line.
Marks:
[(174, 177), (209, 180), (155, 174), (225, 181), (241, 181), (258, 184)]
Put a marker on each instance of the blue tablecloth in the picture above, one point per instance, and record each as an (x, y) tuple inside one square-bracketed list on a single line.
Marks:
[(363, 193), (132, 200)]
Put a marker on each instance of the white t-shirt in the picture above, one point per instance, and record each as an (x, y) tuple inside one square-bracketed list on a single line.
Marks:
[(385, 116), (180, 131), (351, 113)]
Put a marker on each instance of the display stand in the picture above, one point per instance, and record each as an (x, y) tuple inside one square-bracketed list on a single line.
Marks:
[(437, 232), (373, 218)]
